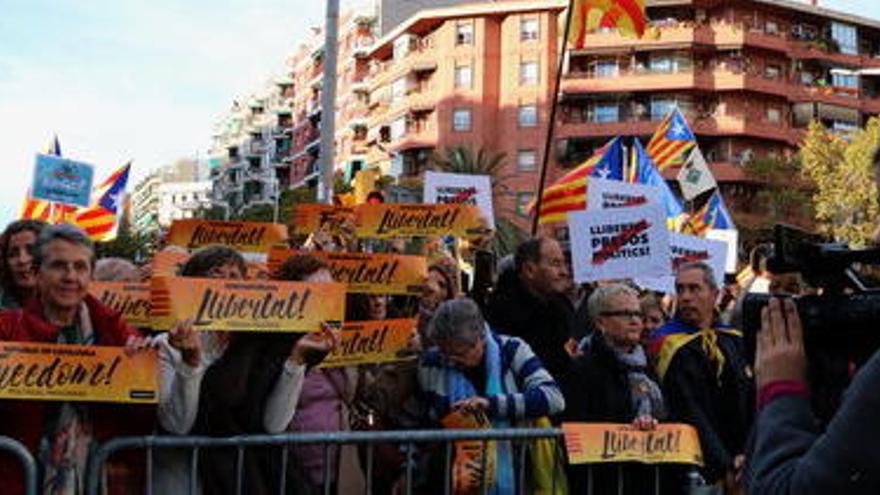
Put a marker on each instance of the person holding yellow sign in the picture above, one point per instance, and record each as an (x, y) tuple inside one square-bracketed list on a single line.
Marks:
[(231, 383), (61, 433)]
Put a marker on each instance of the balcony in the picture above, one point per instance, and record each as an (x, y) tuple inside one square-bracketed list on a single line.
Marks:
[(421, 134), (832, 95), (727, 80), (727, 35), (720, 125), (634, 80), (421, 58), (677, 35)]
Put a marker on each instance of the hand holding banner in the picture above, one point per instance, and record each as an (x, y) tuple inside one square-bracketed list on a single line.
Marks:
[(76, 373), (619, 243), (370, 342), (608, 442), (366, 273), (243, 305)]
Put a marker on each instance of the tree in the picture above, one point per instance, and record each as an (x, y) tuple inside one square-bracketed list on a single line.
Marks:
[(463, 160), (845, 197), (128, 245)]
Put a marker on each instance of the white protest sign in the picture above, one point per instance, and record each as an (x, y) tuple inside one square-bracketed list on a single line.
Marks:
[(620, 243), (603, 194), (442, 187), (731, 238), (685, 249)]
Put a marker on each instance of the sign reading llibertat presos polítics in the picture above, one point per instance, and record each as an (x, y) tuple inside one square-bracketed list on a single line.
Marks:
[(684, 249), (603, 194), (446, 188), (619, 243)]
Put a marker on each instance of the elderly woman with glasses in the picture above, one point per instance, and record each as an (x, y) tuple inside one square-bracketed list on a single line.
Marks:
[(472, 369), (611, 381)]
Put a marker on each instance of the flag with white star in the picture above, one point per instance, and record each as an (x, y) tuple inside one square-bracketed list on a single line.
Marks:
[(99, 220), (671, 143)]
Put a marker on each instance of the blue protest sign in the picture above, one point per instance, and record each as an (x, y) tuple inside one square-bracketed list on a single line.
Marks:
[(62, 181)]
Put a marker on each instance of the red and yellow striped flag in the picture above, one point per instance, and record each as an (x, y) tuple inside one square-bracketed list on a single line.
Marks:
[(35, 209), (100, 219), (569, 193), (628, 16)]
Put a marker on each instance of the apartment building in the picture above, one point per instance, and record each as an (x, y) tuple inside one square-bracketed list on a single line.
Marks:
[(750, 76), (171, 192), (479, 74)]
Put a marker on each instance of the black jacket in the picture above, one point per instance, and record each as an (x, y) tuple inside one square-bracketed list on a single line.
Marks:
[(596, 390), (546, 325), (721, 410)]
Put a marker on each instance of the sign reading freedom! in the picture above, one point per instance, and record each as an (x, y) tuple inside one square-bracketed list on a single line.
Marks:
[(76, 373), (309, 218), (608, 442), (371, 342), (366, 273), (129, 299), (248, 237), (246, 305), (382, 221)]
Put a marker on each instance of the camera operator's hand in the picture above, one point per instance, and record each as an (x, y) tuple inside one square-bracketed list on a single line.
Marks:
[(780, 352)]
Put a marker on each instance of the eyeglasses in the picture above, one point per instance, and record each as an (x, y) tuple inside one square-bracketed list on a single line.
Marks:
[(624, 313)]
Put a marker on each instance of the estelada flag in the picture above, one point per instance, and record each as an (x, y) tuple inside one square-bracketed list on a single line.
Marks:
[(569, 193), (99, 220), (671, 142), (627, 16)]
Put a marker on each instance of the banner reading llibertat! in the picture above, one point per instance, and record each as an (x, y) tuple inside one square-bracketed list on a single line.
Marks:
[(130, 299), (366, 273), (383, 221), (247, 237), (309, 218), (246, 305), (59, 372), (610, 442), (370, 342)]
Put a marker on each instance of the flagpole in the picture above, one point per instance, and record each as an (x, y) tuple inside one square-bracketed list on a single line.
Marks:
[(551, 122)]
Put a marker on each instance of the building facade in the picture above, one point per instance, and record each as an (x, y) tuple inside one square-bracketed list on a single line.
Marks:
[(181, 200)]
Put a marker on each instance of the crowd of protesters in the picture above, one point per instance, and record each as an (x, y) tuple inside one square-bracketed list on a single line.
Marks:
[(535, 348)]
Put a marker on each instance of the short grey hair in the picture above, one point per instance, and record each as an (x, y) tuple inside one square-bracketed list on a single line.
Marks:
[(458, 320), (708, 272), (599, 300), (116, 270), (63, 232)]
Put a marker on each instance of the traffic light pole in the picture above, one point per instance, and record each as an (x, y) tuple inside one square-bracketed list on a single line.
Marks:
[(328, 103)]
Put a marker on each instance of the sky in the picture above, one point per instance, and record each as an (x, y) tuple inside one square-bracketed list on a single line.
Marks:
[(142, 80)]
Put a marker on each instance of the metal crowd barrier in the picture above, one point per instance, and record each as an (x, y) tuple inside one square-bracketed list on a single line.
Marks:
[(28, 466), (407, 439)]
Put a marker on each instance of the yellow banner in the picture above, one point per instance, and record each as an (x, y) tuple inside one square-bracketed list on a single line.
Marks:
[(367, 273), (131, 300), (610, 442), (246, 305), (382, 221), (312, 217), (34, 371), (247, 237), (371, 342)]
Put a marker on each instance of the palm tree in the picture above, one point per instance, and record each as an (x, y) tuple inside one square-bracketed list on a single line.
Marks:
[(463, 160)]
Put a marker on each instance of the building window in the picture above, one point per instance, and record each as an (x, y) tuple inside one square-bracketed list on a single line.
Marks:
[(464, 33), (528, 29), (463, 76), (528, 115), (522, 203), (400, 48), (771, 27), (398, 90), (527, 160), (772, 71), (846, 38), (397, 130), (528, 73), (661, 107), (844, 79), (774, 115), (606, 68), (606, 112), (461, 119)]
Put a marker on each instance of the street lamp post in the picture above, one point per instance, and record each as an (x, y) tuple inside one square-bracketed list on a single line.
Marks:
[(328, 102)]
